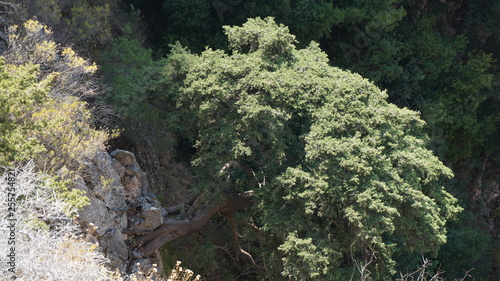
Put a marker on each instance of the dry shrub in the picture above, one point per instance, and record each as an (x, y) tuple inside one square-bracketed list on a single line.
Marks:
[(46, 243), (60, 121), (49, 244)]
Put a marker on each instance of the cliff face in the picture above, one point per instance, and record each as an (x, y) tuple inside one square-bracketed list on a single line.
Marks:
[(119, 202)]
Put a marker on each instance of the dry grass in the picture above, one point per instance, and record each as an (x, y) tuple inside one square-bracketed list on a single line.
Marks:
[(152, 274), (47, 244), (180, 274)]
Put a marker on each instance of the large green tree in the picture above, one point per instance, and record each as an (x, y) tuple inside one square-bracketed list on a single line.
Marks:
[(437, 57), (329, 174)]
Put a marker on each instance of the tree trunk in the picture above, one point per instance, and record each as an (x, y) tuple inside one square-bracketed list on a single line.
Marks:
[(172, 229)]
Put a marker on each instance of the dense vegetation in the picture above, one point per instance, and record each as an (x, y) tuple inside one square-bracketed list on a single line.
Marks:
[(338, 177)]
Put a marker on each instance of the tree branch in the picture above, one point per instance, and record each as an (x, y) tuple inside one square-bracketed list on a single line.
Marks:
[(184, 205), (237, 245), (12, 5), (172, 229)]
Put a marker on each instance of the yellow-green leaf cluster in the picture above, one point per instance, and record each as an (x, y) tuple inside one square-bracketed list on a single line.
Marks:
[(42, 117), (54, 131)]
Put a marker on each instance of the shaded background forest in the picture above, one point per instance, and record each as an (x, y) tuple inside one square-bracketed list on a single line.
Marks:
[(437, 57)]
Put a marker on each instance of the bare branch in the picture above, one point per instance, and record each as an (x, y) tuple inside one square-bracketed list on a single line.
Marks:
[(12, 6), (227, 251)]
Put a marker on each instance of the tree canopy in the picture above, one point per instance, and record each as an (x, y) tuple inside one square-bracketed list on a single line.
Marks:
[(339, 175)]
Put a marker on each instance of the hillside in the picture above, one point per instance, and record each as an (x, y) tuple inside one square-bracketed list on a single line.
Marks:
[(252, 140)]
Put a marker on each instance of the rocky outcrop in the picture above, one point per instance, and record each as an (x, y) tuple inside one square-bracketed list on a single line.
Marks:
[(128, 223), (119, 201)]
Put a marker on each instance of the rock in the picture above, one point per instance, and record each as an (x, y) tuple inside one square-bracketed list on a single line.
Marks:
[(152, 218), (116, 245), (97, 214), (126, 158), (136, 255), (141, 264), (119, 197), (104, 182), (131, 175), (132, 185), (123, 221)]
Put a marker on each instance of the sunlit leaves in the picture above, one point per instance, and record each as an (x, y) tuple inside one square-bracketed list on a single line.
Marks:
[(41, 117), (336, 169)]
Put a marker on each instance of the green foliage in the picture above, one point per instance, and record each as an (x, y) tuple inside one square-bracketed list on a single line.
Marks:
[(189, 22), (20, 95), (127, 68), (52, 132), (434, 57), (88, 25), (303, 260), (417, 50), (41, 117), (308, 20), (74, 198), (468, 248), (423, 55), (274, 42), (198, 23), (339, 173), (456, 114), (133, 76), (71, 137)]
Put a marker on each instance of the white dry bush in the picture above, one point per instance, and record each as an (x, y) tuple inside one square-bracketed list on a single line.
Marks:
[(180, 274), (45, 244)]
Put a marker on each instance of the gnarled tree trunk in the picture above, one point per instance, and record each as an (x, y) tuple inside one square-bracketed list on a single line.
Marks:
[(172, 229)]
